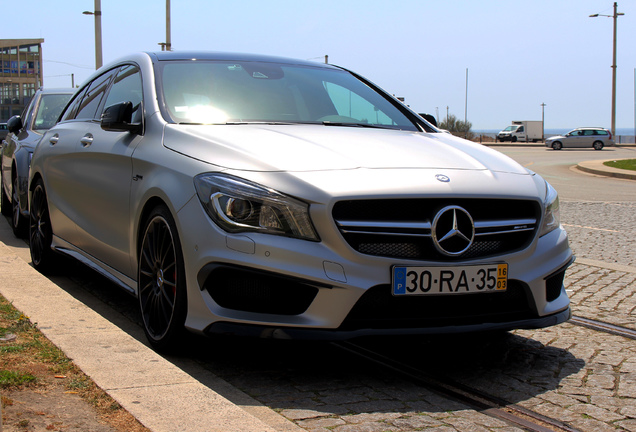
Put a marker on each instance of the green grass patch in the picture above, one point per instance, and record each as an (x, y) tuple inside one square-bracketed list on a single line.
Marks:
[(12, 348), (628, 164), (15, 379)]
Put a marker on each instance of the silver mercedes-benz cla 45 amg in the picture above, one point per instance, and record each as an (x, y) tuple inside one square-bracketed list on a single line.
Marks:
[(243, 194)]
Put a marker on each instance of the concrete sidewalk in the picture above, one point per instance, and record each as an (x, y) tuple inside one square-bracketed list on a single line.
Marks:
[(597, 167), (155, 390)]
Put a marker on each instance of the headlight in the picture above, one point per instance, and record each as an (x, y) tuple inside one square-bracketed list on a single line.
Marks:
[(237, 205), (552, 213)]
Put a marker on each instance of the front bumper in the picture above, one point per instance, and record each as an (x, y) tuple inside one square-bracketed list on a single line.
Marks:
[(272, 332), (277, 287)]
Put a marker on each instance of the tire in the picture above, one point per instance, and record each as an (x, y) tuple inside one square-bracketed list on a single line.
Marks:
[(557, 145), (19, 223), (598, 145), (5, 203), (513, 139), (43, 257), (161, 281)]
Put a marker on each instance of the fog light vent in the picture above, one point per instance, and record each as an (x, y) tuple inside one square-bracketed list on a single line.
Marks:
[(553, 286), (260, 292)]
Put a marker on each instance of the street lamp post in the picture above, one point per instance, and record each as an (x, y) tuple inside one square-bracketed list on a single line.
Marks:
[(167, 45), (98, 32), (543, 122), (615, 16), (168, 25)]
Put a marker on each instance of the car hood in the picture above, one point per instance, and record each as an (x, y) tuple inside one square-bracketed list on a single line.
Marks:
[(555, 137), (298, 148)]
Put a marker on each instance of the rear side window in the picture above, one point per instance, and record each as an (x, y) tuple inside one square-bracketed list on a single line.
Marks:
[(70, 112), (601, 132), (93, 97)]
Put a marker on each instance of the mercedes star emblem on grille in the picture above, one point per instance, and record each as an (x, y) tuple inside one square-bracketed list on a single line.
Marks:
[(453, 231)]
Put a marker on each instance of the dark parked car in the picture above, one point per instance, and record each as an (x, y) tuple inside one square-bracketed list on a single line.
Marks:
[(24, 132), (3, 130)]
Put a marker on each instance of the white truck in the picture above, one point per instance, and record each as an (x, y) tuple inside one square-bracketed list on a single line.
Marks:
[(525, 131)]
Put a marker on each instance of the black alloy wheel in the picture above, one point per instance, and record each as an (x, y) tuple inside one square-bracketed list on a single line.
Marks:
[(557, 145), (40, 231), (161, 281), (18, 222), (598, 145)]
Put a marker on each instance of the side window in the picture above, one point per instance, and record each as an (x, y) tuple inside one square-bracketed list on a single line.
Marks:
[(93, 97), (601, 132), (353, 107), (520, 129), (70, 112), (127, 88)]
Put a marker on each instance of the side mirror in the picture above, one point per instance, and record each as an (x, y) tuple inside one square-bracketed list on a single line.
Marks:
[(429, 118), (14, 124), (118, 118)]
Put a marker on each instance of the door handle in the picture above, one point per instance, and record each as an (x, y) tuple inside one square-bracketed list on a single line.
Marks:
[(87, 140), (54, 139)]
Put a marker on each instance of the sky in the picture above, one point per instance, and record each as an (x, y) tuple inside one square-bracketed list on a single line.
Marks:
[(489, 61)]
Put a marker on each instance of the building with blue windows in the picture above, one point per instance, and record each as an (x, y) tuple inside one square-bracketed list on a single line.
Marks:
[(20, 74)]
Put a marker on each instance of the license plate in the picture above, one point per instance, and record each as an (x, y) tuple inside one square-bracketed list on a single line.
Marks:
[(450, 280)]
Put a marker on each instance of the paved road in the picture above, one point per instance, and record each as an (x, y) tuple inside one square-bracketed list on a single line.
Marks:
[(577, 375), (558, 168)]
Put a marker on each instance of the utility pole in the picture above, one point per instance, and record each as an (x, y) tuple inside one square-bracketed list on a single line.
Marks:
[(542, 122), (615, 17), (466, 107), (98, 32), (168, 41)]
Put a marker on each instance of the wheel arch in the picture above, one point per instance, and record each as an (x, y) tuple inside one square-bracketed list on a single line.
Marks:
[(33, 180), (151, 203)]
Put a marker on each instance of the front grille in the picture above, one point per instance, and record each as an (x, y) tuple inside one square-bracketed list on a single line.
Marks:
[(402, 228), (379, 309), (261, 292)]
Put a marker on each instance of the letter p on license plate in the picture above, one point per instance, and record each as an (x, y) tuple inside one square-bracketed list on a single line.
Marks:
[(450, 280)]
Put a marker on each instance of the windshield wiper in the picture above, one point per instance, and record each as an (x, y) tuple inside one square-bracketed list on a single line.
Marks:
[(273, 122), (362, 125)]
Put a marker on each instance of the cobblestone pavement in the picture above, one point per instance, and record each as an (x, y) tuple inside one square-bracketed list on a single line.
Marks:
[(601, 231), (603, 294)]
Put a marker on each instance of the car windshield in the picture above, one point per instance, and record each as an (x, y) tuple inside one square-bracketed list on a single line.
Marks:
[(49, 110), (510, 128), (216, 92)]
